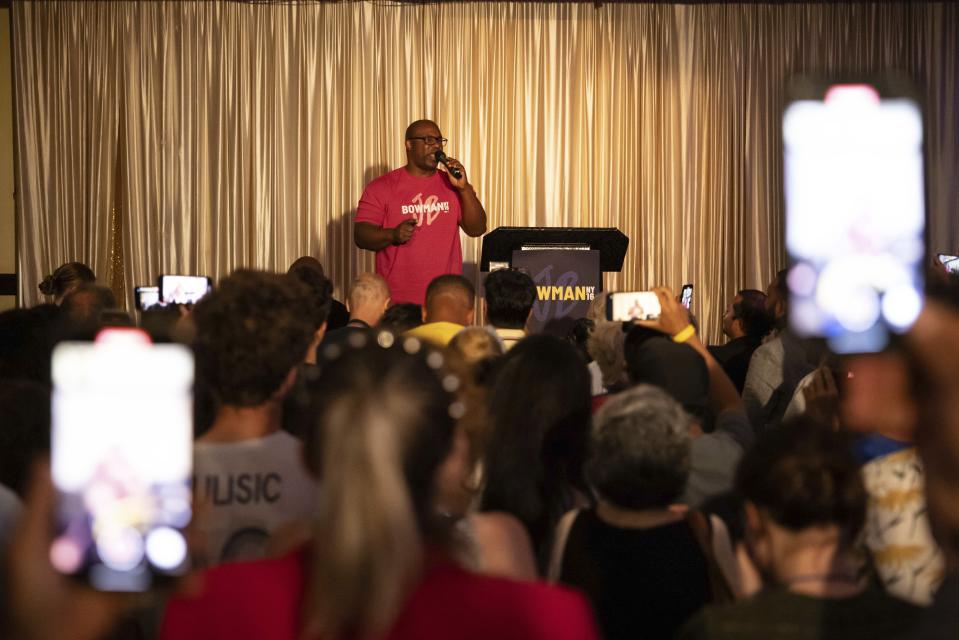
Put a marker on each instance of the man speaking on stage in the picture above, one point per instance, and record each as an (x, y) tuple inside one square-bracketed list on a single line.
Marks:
[(411, 216)]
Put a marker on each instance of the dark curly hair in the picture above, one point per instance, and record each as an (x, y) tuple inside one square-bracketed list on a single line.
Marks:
[(251, 331), (805, 474), (510, 295)]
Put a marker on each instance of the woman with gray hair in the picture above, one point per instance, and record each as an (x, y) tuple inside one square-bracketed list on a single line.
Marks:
[(646, 565)]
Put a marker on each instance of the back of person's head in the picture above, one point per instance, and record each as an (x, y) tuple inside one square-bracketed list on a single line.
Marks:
[(540, 416), (27, 339), (450, 298), (804, 475), (65, 278), (161, 322), (384, 426), (318, 293), (510, 295), (402, 317), (652, 358), (597, 307), (474, 344), (640, 448), (307, 262), (369, 297), (25, 407), (84, 305), (605, 345), (750, 310), (116, 318), (250, 332), (578, 336)]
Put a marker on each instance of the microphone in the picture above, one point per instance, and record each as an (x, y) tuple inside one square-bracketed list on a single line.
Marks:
[(441, 157)]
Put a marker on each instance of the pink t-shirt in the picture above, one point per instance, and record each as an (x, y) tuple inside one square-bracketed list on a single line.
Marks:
[(434, 248)]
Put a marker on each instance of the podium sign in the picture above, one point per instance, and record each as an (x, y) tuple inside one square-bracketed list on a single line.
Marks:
[(566, 283)]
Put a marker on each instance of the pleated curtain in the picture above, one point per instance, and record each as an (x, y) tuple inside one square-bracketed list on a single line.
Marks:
[(199, 137)]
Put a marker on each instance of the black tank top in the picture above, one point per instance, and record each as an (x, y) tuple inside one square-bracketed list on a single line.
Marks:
[(642, 583)]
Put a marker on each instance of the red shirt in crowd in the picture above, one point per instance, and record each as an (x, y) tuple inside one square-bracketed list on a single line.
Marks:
[(434, 249), (262, 600)]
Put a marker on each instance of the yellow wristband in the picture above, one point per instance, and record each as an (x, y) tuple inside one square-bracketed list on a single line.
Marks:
[(685, 334)]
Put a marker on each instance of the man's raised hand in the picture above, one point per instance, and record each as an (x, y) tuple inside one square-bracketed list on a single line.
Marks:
[(404, 231)]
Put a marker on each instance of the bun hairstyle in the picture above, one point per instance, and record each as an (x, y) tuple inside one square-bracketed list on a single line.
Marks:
[(46, 286), (66, 277), (384, 424)]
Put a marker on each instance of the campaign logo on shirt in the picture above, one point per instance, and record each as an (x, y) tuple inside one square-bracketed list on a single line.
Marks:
[(427, 209)]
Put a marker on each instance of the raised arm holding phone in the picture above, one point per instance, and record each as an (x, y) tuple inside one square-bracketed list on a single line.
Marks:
[(674, 322)]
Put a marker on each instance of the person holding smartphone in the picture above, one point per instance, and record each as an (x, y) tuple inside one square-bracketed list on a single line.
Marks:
[(412, 215)]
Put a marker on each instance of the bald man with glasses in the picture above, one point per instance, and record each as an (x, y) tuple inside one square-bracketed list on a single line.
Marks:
[(411, 216)]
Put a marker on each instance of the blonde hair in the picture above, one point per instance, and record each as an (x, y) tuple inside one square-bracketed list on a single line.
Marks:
[(597, 308), (474, 344), (471, 351), (606, 346), (384, 428)]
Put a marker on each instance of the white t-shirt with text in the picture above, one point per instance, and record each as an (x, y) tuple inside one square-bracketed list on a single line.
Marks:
[(245, 490)]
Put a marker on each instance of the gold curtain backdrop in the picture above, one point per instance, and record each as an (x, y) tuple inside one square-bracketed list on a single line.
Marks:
[(198, 137)]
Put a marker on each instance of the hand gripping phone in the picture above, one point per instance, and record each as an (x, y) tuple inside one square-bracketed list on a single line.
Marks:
[(122, 453)]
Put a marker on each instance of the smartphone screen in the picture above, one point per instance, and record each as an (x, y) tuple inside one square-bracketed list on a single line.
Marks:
[(951, 263), (183, 289), (855, 213), (686, 297), (121, 448), (146, 297), (632, 305)]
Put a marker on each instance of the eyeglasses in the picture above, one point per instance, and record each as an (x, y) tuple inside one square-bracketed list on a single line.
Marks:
[(430, 140)]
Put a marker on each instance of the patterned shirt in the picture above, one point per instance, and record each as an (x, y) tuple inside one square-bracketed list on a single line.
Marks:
[(897, 534)]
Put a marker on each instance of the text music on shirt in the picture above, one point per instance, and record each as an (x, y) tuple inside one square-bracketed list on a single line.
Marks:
[(240, 488), (427, 209)]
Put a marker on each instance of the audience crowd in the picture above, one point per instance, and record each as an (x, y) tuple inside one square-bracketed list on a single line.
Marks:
[(371, 470)]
